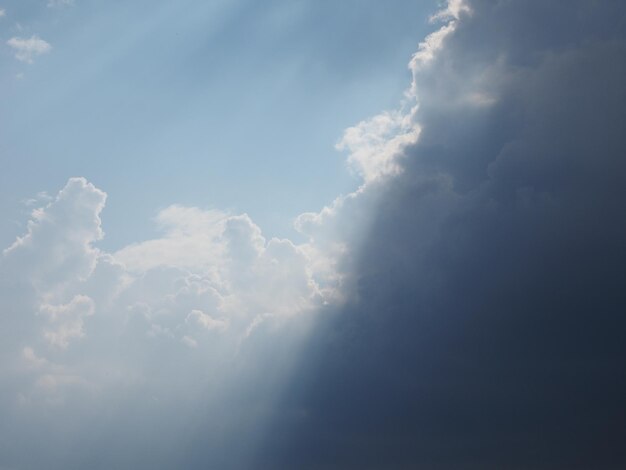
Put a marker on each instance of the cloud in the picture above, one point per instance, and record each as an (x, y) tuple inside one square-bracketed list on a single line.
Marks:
[(59, 3), (206, 321), (206, 301), (191, 240), (26, 49), (375, 144), (67, 320), (57, 249), (3, 13), (463, 308), (211, 273), (484, 327), (239, 267)]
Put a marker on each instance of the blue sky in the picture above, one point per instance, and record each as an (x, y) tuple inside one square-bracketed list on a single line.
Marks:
[(234, 105)]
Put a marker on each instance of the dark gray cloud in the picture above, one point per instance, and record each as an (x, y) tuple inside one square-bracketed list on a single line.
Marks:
[(488, 330)]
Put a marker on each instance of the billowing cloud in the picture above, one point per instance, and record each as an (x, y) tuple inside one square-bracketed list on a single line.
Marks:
[(26, 49), (79, 324), (58, 246), (209, 269)]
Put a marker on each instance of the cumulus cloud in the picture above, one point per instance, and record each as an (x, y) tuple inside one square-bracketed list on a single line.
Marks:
[(376, 148), (375, 144), (211, 273), (229, 255), (26, 49), (57, 249), (191, 240), (78, 323)]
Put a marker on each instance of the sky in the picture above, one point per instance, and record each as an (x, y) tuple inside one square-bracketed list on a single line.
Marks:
[(210, 104), (317, 235)]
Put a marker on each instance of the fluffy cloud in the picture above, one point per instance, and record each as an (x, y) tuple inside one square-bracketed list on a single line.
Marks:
[(26, 49), (191, 240), (211, 273), (376, 148), (79, 324), (375, 144)]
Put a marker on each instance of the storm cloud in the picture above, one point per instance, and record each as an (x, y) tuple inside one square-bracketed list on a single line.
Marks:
[(487, 326)]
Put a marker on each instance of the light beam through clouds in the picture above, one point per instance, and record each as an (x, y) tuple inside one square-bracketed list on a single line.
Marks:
[(214, 346)]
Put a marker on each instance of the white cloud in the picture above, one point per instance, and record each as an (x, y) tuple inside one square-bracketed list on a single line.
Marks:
[(375, 149), (375, 144), (191, 240), (26, 49), (452, 10), (209, 272), (3, 12), (57, 249)]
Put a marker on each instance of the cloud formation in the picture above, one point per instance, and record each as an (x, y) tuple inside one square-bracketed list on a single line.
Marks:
[(80, 324), (208, 265)]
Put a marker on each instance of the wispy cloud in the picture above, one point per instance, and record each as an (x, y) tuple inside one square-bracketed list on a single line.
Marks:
[(59, 3), (26, 49)]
